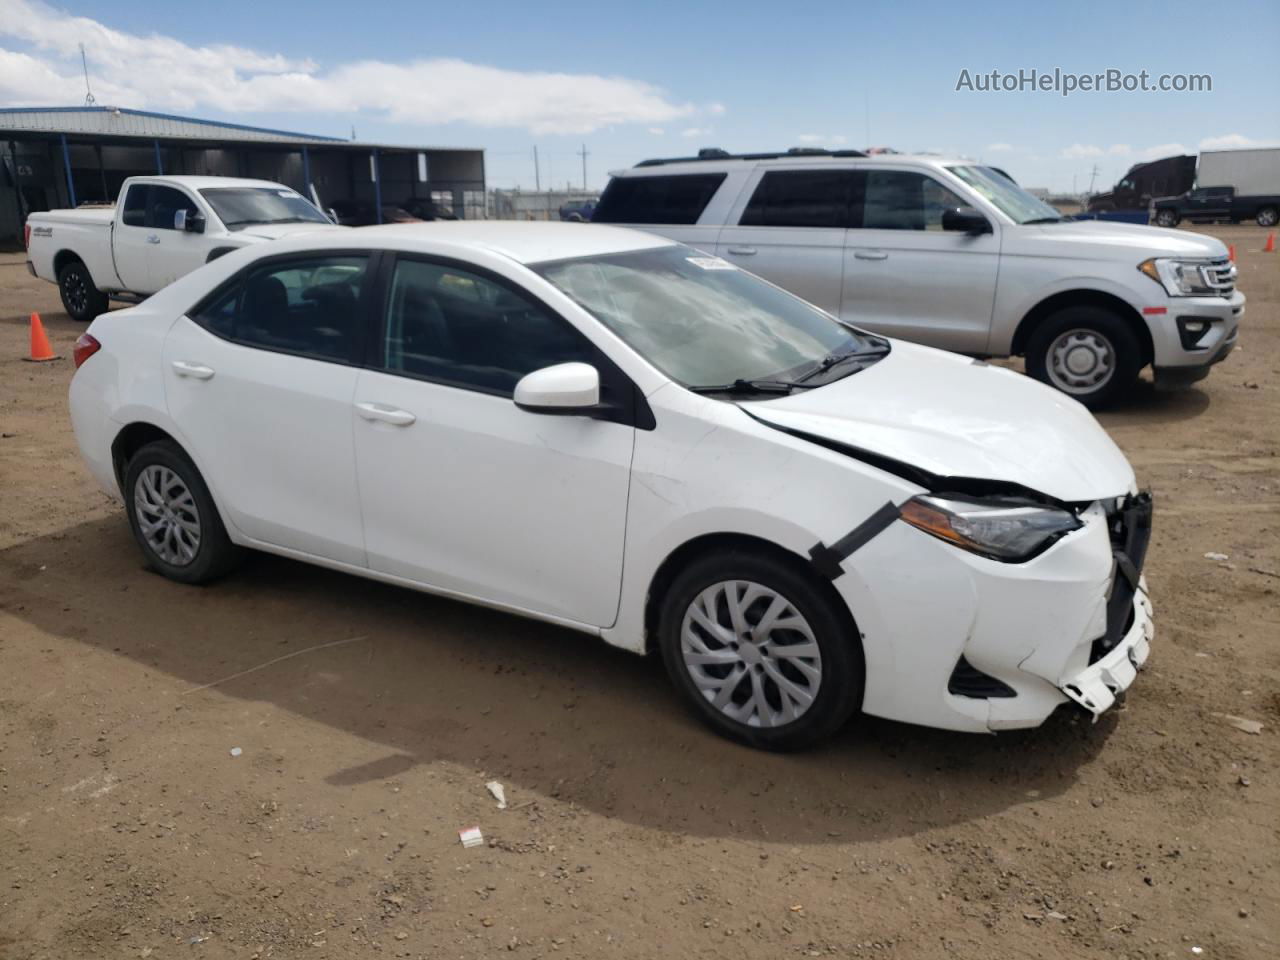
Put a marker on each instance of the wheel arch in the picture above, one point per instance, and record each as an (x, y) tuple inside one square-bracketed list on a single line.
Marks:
[(66, 256), (698, 547), (132, 438), (1084, 298)]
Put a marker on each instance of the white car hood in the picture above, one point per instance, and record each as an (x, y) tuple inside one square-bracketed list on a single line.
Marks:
[(274, 231), (952, 417), (1102, 239)]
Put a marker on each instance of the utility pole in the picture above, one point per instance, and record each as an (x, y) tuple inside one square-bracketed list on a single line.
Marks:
[(583, 152), (537, 175), (1093, 175)]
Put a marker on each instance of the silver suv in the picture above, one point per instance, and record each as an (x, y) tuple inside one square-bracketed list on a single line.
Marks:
[(953, 254)]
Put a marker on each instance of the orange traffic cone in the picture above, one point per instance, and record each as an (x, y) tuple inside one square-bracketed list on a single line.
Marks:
[(1270, 246), (1231, 253), (40, 348)]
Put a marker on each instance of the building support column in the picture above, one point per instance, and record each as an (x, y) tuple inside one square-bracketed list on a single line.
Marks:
[(159, 165), (66, 167), (376, 172)]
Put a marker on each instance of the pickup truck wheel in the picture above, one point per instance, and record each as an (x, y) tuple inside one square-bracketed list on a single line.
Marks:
[(1268, 217), (1088, 353), (1167, 218), (81, 299)]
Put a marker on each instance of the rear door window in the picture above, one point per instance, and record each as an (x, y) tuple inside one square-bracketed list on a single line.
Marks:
[(310, 306), (135, 205), (675, 199), (801, 198)]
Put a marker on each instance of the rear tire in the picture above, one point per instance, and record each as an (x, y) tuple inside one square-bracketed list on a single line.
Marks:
[(1167, 218), (80, 298), (790, 686), (173, 516), (1089, 353), (1268, 216)]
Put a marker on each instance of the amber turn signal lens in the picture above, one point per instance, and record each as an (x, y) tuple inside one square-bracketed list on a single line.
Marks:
[(931, 520)]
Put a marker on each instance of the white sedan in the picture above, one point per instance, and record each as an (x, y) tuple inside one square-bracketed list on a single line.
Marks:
[(620, 434)]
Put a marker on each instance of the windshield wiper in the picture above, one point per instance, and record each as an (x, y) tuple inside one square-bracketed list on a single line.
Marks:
[(1026, 223), (869, 354), (750, 386)]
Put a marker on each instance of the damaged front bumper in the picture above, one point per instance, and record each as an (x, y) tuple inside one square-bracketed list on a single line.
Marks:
[(1098, 685)]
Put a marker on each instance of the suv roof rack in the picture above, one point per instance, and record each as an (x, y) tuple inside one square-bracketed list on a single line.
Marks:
[(715, 153)]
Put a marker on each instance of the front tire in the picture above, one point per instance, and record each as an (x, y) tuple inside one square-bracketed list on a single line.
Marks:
[(80, 298), (1088, 353), (1167, 218), (1268, 216), (760, 651), (173, 516)]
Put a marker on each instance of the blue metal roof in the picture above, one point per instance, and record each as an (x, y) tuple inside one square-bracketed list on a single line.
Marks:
[(124, 122)]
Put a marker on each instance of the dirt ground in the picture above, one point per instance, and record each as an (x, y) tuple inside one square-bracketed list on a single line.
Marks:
[(128, 828)]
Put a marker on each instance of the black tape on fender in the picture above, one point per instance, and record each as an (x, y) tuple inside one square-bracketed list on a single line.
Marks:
[(826, 560)]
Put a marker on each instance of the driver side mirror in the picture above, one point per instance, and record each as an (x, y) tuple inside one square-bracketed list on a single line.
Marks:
[(188, 222), (566, 389), (965, 220)]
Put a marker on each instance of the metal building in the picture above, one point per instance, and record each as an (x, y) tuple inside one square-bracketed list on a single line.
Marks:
[(54, 157)]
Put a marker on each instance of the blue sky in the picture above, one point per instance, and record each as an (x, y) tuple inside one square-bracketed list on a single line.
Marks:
[(653, 79)]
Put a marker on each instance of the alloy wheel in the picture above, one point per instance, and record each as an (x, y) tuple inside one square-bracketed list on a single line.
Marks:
[(751, 653), (167, 515), (73, 288), (1080, 361)]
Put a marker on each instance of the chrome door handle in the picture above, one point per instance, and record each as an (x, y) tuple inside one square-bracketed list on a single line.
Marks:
[(871, 255), (152, 238), (197, 371), (385, 414), (743, 251)]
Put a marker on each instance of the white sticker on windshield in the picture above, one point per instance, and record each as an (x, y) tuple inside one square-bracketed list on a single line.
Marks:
[(711, 263)]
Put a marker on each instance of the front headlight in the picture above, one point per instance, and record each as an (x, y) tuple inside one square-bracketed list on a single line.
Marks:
[(1007, 530), (1180, 278)]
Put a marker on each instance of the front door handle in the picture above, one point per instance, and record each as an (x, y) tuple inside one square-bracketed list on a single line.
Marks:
[(385, 414), (197, 371), (743, 251), (871, 255), (152, 238)]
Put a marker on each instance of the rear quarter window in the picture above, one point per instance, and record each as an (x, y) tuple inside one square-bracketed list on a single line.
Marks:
[(674, 199)]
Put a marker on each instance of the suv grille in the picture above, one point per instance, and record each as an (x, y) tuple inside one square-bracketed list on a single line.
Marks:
[(1221, 276)]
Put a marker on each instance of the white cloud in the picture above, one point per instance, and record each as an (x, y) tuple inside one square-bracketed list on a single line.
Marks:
[(657, 131), (160, 72), (832, 138), (1119, 150), (1234, 141), (1162, 150), (1078, 151), (695, 132), (716, 109), (999, 147)]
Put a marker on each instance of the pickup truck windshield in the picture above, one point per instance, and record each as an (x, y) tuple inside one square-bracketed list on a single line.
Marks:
[(1014, 202), (240, 207), (708, 325)]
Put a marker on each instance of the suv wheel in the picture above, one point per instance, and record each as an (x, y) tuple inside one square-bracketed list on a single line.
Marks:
[(1268, 217), (173, 516), (760, 651), (80, 298), (1088, 353), (1167, 218)]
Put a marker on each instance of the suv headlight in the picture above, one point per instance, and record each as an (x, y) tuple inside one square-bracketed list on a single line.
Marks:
[(1180, 278), (1007, 530)]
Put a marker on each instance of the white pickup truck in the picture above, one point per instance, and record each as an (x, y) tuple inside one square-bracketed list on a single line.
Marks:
[(161, 229)]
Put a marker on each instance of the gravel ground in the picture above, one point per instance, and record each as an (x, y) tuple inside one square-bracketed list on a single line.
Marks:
[(128, 828)]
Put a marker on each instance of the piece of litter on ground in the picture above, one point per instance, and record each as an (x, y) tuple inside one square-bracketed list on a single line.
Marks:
[(1216, 556), (1055, 915), (471, 837), (495, 788), (1241, 724), (1203, 654), (236, 751), (1197, 950)]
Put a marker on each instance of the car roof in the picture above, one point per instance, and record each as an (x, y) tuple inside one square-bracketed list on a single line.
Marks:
[(658, 168), (203, 183), (521, 241)]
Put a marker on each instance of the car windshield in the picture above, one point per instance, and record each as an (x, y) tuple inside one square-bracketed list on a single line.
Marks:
[(1011, 200), (707, 324), (238, 207)]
